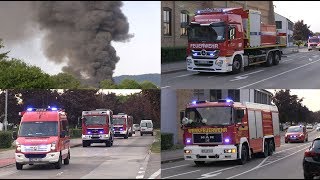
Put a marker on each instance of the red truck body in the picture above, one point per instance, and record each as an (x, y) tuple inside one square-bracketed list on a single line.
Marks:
[(123, 125)]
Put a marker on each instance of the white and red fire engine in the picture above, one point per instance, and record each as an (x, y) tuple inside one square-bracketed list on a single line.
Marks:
[(227, 130), (314, 43), (229, 39), (123, 125)]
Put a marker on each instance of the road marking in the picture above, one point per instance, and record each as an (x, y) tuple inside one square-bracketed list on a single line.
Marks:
[(279, 74), (288, 149), (141, 172), (215, 173), (154, 175), (262, 162), (265, 164), (180, 174), (59, 173), (183, 75), (139, 177), (287, 60), (244, 76), (144, 166), (176, 167)]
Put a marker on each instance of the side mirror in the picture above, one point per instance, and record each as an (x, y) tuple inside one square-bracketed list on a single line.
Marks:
[(62, 134), (14, 135)]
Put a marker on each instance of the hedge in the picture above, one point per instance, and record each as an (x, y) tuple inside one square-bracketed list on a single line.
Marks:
[(166, 141), (75, 133), (173, 54), (5, 139)]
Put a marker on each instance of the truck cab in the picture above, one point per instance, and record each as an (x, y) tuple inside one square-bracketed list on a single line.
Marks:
[(123, 125), (43, 137), (97, 127), (314, 43)]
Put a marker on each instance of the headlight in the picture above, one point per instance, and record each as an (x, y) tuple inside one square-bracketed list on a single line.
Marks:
[(18, 146), (187, 151), (230, 151), (301, 135), (53, 146), (219, 62), (189, 60)]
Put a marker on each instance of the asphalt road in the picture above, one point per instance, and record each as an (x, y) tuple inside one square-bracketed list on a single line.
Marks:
[(298, 70), (285, 163), (127, 159)]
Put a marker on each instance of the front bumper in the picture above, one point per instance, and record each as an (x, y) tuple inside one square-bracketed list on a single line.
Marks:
[(221, 64), (120, 133), (311, 166), (95, 137), (217, 153), (297, 139), (52, 157)]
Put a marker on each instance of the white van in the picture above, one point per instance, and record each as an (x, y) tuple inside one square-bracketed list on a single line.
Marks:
[(146, 127)]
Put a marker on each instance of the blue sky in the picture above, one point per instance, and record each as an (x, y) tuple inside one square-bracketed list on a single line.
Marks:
[(139, 56)]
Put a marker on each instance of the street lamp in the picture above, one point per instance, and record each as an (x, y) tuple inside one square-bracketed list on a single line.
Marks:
[(5, 122)]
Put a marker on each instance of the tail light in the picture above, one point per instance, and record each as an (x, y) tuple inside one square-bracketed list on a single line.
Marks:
[(308, 153)]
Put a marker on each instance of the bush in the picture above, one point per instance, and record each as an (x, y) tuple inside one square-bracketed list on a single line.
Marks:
[(173, 54), (166, 141), (75, 133), (5, 139)]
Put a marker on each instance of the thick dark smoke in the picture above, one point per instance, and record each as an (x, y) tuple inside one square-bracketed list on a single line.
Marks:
[(80, 33)]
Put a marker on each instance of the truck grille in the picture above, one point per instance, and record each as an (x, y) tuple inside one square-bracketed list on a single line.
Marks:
[(95, 131), (203, 63), (35, 155), (207, 138)]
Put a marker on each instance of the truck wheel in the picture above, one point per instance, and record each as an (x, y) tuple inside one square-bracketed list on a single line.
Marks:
[(276, 58), (126, 136), (244, 155), (270, 59), (66, 161), (19, 166), (108, 143), (84, 144), (130, 134), (199, 163), (236, 65), (58, 164), (271, 148), (141, 134), (266, 149)]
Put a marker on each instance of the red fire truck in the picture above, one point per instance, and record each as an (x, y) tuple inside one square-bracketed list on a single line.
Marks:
[(123, 125), (97, 127), (314, 43), (43, 137), (229, 39), (227, 130)]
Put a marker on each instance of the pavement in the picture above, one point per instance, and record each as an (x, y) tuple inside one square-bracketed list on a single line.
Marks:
[(170, 156), (181, 65), (7, 157)]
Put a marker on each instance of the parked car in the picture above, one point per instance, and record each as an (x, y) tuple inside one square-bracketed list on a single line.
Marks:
[(296, 134), (146, 127), (136, 127), (311, 160), (318, 127), (309, 126)]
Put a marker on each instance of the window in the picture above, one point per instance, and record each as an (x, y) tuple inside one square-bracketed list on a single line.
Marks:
[(215, 95), (232, 33), (290, 25), (279, 24), (65, 127), (184, 20), (167, 21), (234, 94), (260, 97), (199, 94)]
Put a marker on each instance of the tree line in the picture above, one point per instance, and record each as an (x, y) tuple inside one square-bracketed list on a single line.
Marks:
[(16, 74), (143, 105)]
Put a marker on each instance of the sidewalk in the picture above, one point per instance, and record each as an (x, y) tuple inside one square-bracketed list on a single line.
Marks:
[(7, 157), (177, 155), (182, 66)]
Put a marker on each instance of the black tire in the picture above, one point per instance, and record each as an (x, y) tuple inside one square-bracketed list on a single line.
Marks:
[(276, 58), (66, 161), (236, 65), (19, 166), (84, 144), (58, 164), (141, 134), (307, 176), (271, 148), (244, 155), (270, 59), (152, 134), (265, 153), (108, 143), (307, 140), (125, 136), (199, 163), (285, 141), (130, 134)]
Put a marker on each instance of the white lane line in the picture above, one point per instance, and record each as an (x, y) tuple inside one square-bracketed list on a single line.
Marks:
[(287, 60), (154, 175), (141, 172), (139, 177), (266, 164), (262, 162), (183, 75), (59, 173), (244, 76), (180, 174), (288, 149), (176, 166), (279, 74), (215, 173)]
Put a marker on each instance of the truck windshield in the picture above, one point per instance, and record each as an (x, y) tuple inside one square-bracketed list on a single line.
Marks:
[(314, 40), (38, 129), (95, 120), (119, 121), (206, 116), (211, 33)]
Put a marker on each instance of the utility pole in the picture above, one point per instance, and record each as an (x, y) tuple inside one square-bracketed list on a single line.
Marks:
[(5, 122)]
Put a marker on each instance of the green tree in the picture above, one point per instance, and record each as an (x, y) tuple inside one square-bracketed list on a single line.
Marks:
[(129, 84), (3, 56), (301, 31), (107, 84), (148, 85), (65, 81)]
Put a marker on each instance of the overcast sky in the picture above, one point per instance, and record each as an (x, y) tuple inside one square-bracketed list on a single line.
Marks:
[(311, 97), (300, 10), (139, 56)]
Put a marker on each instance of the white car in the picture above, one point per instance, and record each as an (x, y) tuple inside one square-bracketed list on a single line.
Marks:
[(309, 126), (136, 127), (318, 127), (146, 127)]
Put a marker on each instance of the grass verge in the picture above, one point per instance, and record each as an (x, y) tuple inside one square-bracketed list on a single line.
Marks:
[(156, 145)]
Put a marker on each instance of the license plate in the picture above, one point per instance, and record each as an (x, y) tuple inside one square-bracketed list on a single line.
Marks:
[(206, 150), (34, 159), (203, 62)]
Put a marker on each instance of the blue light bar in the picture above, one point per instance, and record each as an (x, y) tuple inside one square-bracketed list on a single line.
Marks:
[(229, 100), (54, 109), (29, 109), (194, 102)]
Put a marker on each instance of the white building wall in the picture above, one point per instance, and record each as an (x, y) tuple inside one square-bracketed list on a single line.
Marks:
[(284, 28)]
